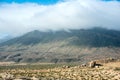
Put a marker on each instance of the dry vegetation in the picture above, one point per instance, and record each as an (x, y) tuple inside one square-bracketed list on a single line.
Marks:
[(109, 71)]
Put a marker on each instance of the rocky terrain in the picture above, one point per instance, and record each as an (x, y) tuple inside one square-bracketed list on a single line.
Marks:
[(79, 72)]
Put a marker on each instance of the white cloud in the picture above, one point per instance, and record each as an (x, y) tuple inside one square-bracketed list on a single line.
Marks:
[(70, 14)]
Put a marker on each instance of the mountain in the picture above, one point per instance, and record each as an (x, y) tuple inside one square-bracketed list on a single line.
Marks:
[(5, 38), (95, 37), (62, 46), (36, 36)]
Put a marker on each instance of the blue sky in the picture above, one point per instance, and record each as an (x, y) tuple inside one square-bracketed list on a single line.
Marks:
[(46, 2), (110, 0), (21, 16)]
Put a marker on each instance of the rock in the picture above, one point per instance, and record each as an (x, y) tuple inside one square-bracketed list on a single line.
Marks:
[(24, 78), (92, 64), (83, 65), (65, 66), (17, 79), (96, 66), (6, 76), (34, 78)]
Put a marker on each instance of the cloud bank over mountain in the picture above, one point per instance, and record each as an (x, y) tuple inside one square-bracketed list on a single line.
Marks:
[(69, 14)]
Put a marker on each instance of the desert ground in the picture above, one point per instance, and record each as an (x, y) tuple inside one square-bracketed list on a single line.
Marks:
[(107, 71)]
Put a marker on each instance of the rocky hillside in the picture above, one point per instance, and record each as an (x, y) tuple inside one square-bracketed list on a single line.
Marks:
[(62, 46)]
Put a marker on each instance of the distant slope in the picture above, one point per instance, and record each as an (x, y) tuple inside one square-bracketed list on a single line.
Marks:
[(62, 46), (96, 37), (5, 38), (36, 36)]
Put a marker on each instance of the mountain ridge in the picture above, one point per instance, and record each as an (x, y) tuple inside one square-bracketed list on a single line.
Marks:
[(96, 37), (62, 46)]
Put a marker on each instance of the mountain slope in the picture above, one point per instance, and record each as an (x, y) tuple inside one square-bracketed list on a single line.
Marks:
[(5, 38), (36, 36), (96, 37), (62, 46)]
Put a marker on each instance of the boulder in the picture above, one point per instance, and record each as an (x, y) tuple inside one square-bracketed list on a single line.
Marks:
[(92, 64)]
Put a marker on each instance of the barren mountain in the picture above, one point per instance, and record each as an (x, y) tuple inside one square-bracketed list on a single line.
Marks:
[(62, 46)]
